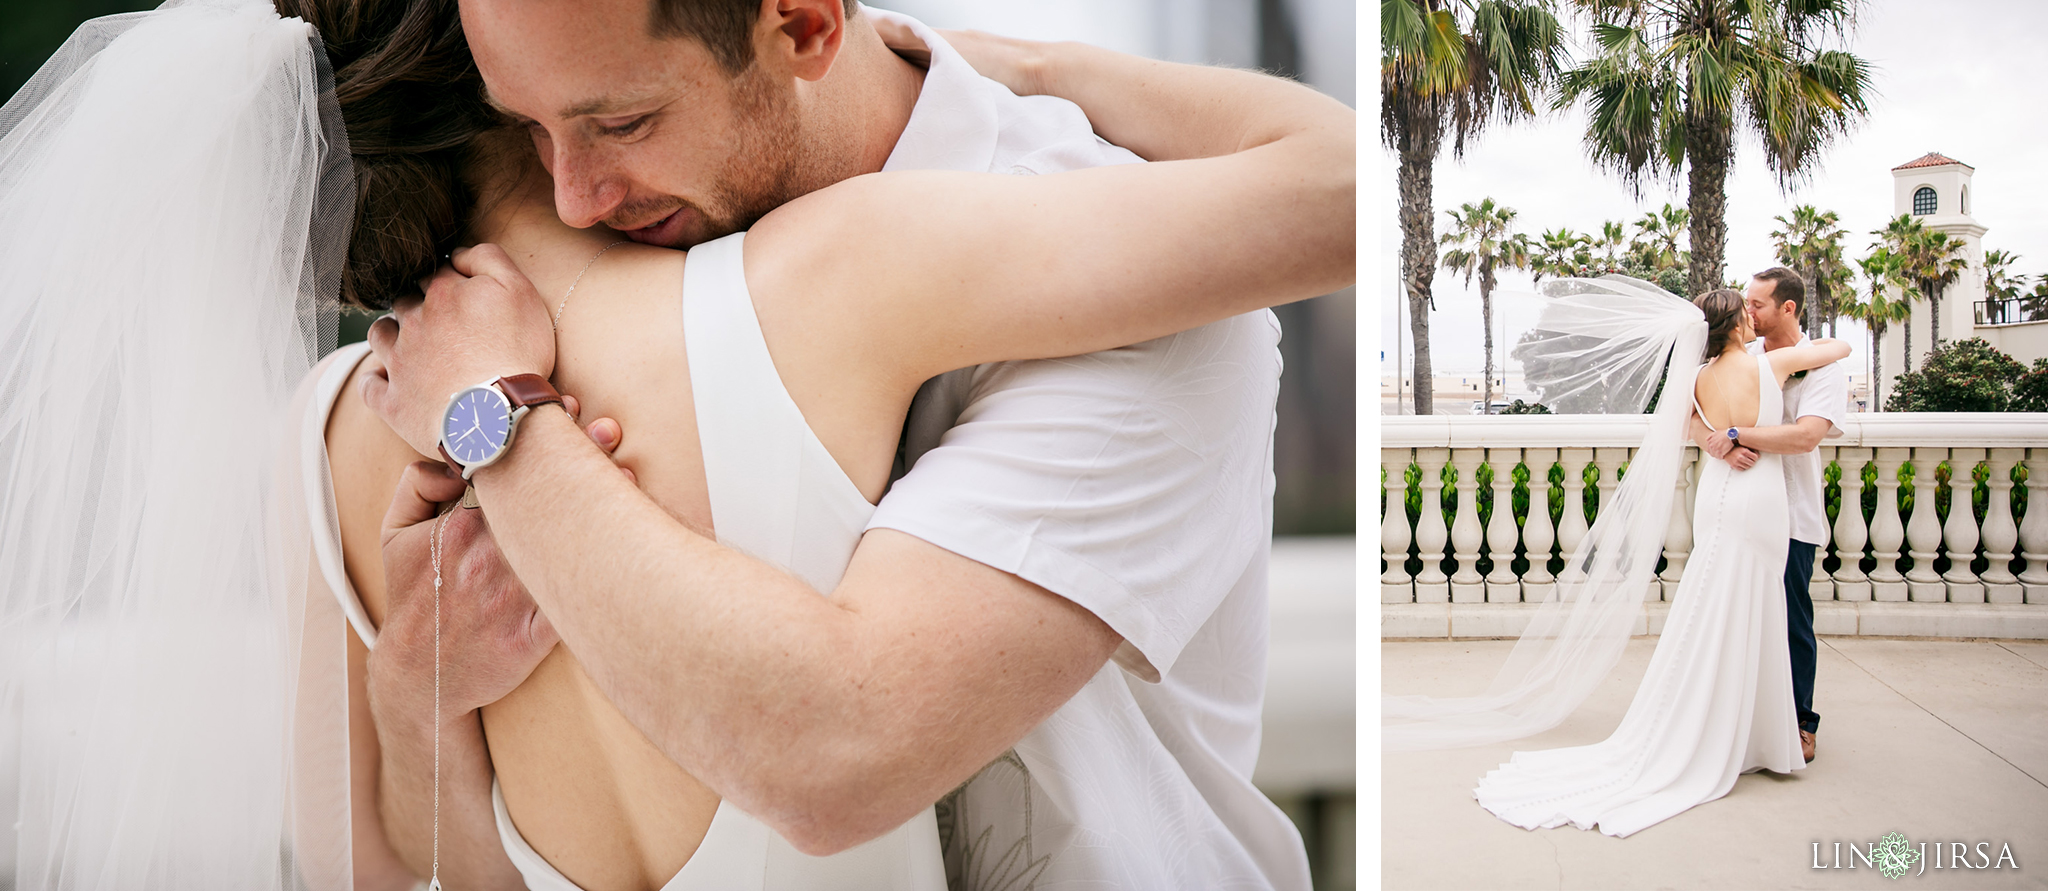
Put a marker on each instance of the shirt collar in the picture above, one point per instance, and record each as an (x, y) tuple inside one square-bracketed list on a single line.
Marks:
[(954, 125)]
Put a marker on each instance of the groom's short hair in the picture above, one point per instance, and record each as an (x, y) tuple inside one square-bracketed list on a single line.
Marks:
[(725, 27), (1785, 285)]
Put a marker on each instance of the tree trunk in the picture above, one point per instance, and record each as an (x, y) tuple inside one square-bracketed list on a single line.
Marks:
[(1809, 309), (1418, 145), (1486, 318), (1907, 358), (1707, 142), (1933, 291), (1876, 368)]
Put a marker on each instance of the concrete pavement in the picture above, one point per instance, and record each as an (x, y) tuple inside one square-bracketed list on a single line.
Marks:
[(1941, 740)]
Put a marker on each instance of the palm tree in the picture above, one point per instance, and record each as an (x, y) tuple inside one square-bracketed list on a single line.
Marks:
[(1811, 244), (1611, 242), (1656, 240), (1482, 239), (1670, 79), (2001, 286), (1878, 312), (1450, 68), (1932, 261), (1561, 253)]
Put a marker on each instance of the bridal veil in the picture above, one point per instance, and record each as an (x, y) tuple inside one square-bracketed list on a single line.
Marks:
[(175, 193), (1609, 345)]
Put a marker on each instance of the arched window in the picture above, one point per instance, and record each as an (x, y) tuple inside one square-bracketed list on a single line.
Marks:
[(1923, 201)]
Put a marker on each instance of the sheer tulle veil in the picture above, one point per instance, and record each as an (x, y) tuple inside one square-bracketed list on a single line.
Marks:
[(175, 193), (1605, 346)]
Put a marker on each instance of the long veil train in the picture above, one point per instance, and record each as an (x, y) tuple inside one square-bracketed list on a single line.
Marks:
[(1607, 345), (175, 193)]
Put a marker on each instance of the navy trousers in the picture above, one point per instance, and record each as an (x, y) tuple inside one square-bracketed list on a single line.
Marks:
[(1799, 630)]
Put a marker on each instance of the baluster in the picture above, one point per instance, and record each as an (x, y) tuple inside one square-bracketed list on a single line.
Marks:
[(1467, 585), (1678, 532), (1501, 533), (1923, 531), (1821, 586), (1571, 526), (2000, 535), (1537, 533), (1886, 532), (1431, 585), (1851, 533), (1396, 585), (2034, 528), (1959, 534), (1609, 460)]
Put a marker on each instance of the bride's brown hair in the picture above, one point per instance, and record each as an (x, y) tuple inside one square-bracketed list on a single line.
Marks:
[(1723, 309), (413, 105)]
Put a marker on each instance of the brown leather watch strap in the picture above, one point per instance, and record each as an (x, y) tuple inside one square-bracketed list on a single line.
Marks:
[(528, 390)]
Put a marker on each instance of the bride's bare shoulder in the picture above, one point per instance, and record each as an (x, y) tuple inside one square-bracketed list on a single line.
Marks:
[(364, 461)]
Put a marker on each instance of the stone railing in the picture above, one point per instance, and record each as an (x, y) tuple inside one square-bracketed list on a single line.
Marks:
[(1466, 570)]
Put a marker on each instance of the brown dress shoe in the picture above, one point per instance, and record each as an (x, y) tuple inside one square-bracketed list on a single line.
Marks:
[(1806, 745)]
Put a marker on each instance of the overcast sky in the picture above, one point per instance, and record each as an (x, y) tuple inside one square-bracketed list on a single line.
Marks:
[(1965, 78)]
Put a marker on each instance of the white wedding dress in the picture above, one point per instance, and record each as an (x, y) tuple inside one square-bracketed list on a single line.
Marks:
[(776, 494), (1716, 701)]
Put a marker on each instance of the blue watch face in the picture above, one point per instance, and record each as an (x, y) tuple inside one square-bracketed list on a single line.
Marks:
[(477, 423)]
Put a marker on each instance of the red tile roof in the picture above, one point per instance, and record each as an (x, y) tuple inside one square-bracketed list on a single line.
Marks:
[(1931, 159)]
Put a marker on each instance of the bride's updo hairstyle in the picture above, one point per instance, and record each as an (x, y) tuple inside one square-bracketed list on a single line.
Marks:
[(413, 106), (1723, 309)]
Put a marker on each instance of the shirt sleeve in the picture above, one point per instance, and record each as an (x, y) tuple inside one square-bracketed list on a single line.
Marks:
[(1826, 395), (1136, 482)]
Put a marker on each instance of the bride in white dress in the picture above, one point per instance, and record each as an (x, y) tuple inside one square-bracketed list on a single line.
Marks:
[(175, 627), (1716, 700)]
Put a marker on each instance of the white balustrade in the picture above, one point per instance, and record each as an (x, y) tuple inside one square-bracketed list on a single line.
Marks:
[(2000, 534), (1396, 586), (1502, 586), (1851, 533), (1467, 585), (1820, 585), (2000, 443), (1431, 586), (1959, 535), (1537, 533), (1923, 532)]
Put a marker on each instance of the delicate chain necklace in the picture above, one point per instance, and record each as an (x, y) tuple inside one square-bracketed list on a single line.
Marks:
[(579, 280), (434, 548)]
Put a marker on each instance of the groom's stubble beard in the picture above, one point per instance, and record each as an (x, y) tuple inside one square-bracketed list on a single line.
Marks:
[(763, 171)]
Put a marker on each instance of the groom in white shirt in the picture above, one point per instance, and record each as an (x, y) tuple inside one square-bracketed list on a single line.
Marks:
[(1816, 402), (1134, 484)]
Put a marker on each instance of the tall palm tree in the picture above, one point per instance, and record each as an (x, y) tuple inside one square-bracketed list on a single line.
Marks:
[(1878, 311), (1810, 242), (1932, 259), (1561, 253), (1449, 68), (1483, 240), (1670, 80)]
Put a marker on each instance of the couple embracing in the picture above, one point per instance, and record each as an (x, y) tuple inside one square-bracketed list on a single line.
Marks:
[(857, 472), (1729, 687)]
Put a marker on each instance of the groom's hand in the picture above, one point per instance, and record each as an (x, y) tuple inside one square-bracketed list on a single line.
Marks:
[(1741, 457), (481, 319)]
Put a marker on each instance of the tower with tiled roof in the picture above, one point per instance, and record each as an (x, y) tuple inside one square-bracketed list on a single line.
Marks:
[(1935, 189)]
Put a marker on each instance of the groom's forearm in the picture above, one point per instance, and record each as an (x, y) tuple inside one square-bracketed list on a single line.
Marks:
[(833, 719), (1785, 439)]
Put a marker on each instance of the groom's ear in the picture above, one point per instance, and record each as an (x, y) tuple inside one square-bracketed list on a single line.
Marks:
[(801, 37)]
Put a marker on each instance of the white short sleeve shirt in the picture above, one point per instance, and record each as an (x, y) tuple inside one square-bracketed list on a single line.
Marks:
[(1821, 393), (1136, 482)]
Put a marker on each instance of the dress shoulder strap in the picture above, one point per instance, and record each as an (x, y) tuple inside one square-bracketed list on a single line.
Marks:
[(775, 492)]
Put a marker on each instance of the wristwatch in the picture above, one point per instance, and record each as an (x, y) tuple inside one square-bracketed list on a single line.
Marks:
[(1732, 440), (478, 425)]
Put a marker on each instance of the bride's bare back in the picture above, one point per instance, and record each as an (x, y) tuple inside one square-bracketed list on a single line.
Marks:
[(586, 788)]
